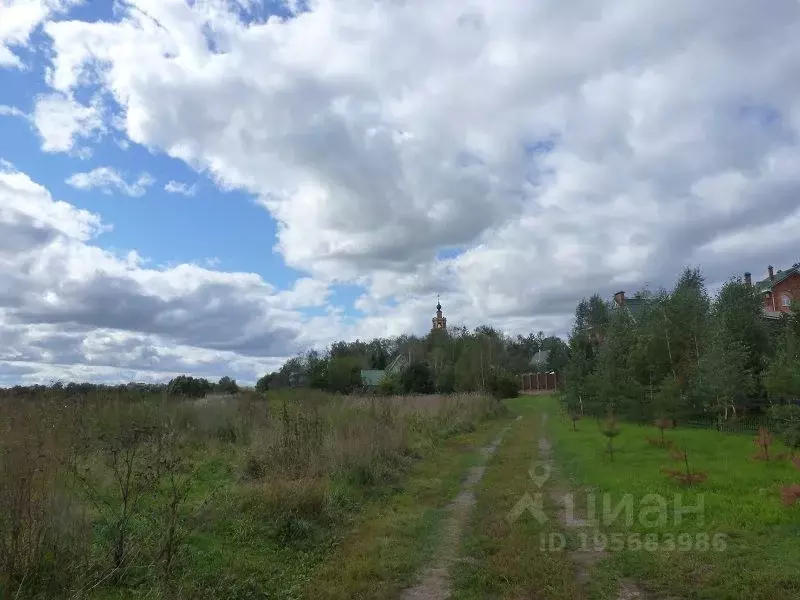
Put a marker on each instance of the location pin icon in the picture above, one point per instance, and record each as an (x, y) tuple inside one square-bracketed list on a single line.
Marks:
[(540, 473)]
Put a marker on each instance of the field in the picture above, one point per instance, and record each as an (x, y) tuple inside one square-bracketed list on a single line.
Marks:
[(308, 495), (110, 496)]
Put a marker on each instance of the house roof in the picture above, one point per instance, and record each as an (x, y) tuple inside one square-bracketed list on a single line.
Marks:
[(636, 305), (371, 377), (771, 314), (540, 357), (398, 364), (765, 285)]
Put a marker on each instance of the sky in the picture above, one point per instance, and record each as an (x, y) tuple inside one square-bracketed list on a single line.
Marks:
[(212, 186)]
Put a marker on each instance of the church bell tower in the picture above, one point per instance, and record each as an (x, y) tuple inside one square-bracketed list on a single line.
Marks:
[(439, 322)]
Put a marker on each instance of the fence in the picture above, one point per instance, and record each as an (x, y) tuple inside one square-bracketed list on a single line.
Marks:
[(741, 423), (539, 382), (745, 424)]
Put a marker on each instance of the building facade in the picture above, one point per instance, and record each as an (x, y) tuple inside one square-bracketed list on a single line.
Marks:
[(778, 290)]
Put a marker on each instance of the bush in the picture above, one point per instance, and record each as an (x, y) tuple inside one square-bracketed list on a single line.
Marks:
[(390, 385), (446, 381), (188, 387), (418, 379), (787, 424), (503, 385), (226, 385), (262, 385), (43, 536)]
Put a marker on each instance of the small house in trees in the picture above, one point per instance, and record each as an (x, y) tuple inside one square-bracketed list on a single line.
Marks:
[(778, 290), (539, 360), (371, 378), (632, 306)]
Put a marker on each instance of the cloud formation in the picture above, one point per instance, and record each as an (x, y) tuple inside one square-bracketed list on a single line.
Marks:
[(513, 156), (107, 179), (19, 19), (65, 301), (177, 187), (62, 121), (12, 111), (404, 127)]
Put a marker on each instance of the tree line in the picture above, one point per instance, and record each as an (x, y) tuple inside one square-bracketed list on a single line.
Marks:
[(182, 386), (454, 360), (682, 354)]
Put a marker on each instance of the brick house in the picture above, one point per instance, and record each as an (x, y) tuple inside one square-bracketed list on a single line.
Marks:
[(632, 306), (778, 290)]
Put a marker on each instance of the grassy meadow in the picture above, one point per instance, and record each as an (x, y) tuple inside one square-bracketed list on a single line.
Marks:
[(740, 500), (113, 496)]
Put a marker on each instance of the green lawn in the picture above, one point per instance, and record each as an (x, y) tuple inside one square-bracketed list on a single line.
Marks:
[(740, 501)]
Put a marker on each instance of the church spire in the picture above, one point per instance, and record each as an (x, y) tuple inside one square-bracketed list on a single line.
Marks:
[(439, 322)]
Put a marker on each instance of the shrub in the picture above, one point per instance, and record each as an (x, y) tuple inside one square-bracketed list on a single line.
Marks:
[(343, 374), (446, 381), (787, 423), (188, 387), (254, 466), (662, 424), (43, 536), (418, 379), (294, 508), (685, 476), (610, 430), (226, 385), (262, 385), (503, 385), (131, 456), (390, 385), (763, 440), (575, 417), (791, 493)]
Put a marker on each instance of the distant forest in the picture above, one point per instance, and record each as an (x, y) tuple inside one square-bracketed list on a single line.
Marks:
[(455, 360)]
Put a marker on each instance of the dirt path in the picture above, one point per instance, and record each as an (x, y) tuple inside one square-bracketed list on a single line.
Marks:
[(434, 582), (562, 496)]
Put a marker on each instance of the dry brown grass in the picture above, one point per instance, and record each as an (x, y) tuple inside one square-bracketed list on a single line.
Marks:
[(42, 528), (93, 487)]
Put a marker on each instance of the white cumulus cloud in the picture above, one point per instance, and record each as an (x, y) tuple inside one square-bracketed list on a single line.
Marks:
[(109, 180), (377, 133), (18, 19), (12, 111), (61, 121), (177, 187)]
